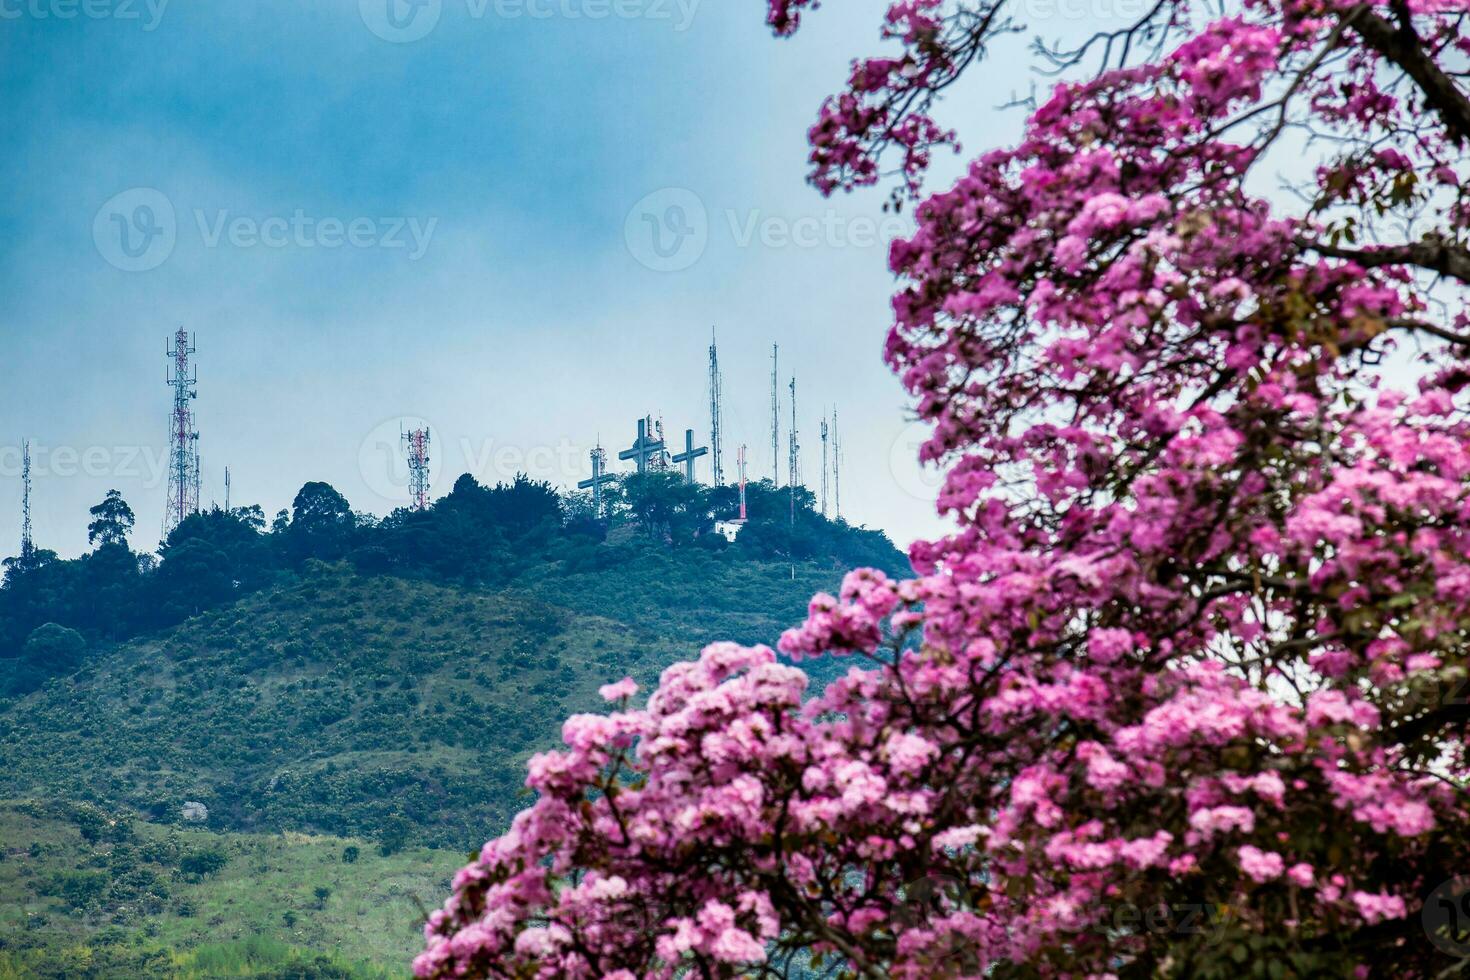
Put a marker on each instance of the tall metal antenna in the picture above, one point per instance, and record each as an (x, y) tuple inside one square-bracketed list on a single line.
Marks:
[(600, 475), (716, 412), (824, 467), (740, 467), (775, 418), (227, 489), (645, 451), (793, 474), (183, 468), (416, 444), (659, 462), (793, 478), (27, 545), (836, 468)]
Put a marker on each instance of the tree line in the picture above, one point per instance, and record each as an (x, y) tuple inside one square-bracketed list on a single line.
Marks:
[(54, 612)]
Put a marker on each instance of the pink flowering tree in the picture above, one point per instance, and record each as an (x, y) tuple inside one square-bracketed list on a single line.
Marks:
[(1183, 693)]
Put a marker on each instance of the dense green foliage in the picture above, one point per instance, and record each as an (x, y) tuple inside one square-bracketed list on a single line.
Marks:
[(385, 680), (340, 693), (477, 536), (376, 706), (91, 894)]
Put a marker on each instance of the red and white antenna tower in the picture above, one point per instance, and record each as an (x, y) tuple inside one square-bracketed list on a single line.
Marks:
[(183, 463), (416, 444)]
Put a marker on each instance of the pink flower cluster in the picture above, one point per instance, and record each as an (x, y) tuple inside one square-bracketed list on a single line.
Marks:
[(1197, 637)]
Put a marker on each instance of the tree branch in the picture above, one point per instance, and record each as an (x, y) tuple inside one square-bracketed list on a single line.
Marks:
[(1406, 323), (1402, 46), (1428, 253)]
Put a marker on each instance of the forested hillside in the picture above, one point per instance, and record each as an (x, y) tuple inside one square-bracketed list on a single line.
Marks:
[(57, 616), (377, 685), (374, 706)]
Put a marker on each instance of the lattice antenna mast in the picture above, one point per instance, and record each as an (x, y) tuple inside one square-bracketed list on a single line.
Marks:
[(227, 489), (27, 543), (416, 447), (659, 462), (599, 477), (740, 466), (195, 480), (644, 450), (824, 467), (775, 418), (836, 468), (716, 413), (794, 456), (792, 478), (183, 468)]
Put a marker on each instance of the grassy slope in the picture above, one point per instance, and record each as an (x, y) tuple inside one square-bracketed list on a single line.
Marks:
[(75, 907), (354, 707)]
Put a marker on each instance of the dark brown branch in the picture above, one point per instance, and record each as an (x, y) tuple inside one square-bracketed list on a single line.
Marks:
[(1402, 46), (1429, 253), (1429, 723), (1424, 326)]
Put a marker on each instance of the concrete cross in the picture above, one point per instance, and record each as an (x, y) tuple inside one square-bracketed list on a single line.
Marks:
[(689, 455), (600, 475), (644, 448)]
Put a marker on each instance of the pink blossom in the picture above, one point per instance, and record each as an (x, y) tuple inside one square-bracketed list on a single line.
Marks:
[(1375, 907), (1207, 573), (623, 689), (1260, 865)]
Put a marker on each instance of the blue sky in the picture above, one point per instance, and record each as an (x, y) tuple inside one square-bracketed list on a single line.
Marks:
[(456, 228)]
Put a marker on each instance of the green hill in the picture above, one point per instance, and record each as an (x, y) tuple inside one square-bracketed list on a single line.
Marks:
[(89, 893), (384, 700), (371, 706)]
